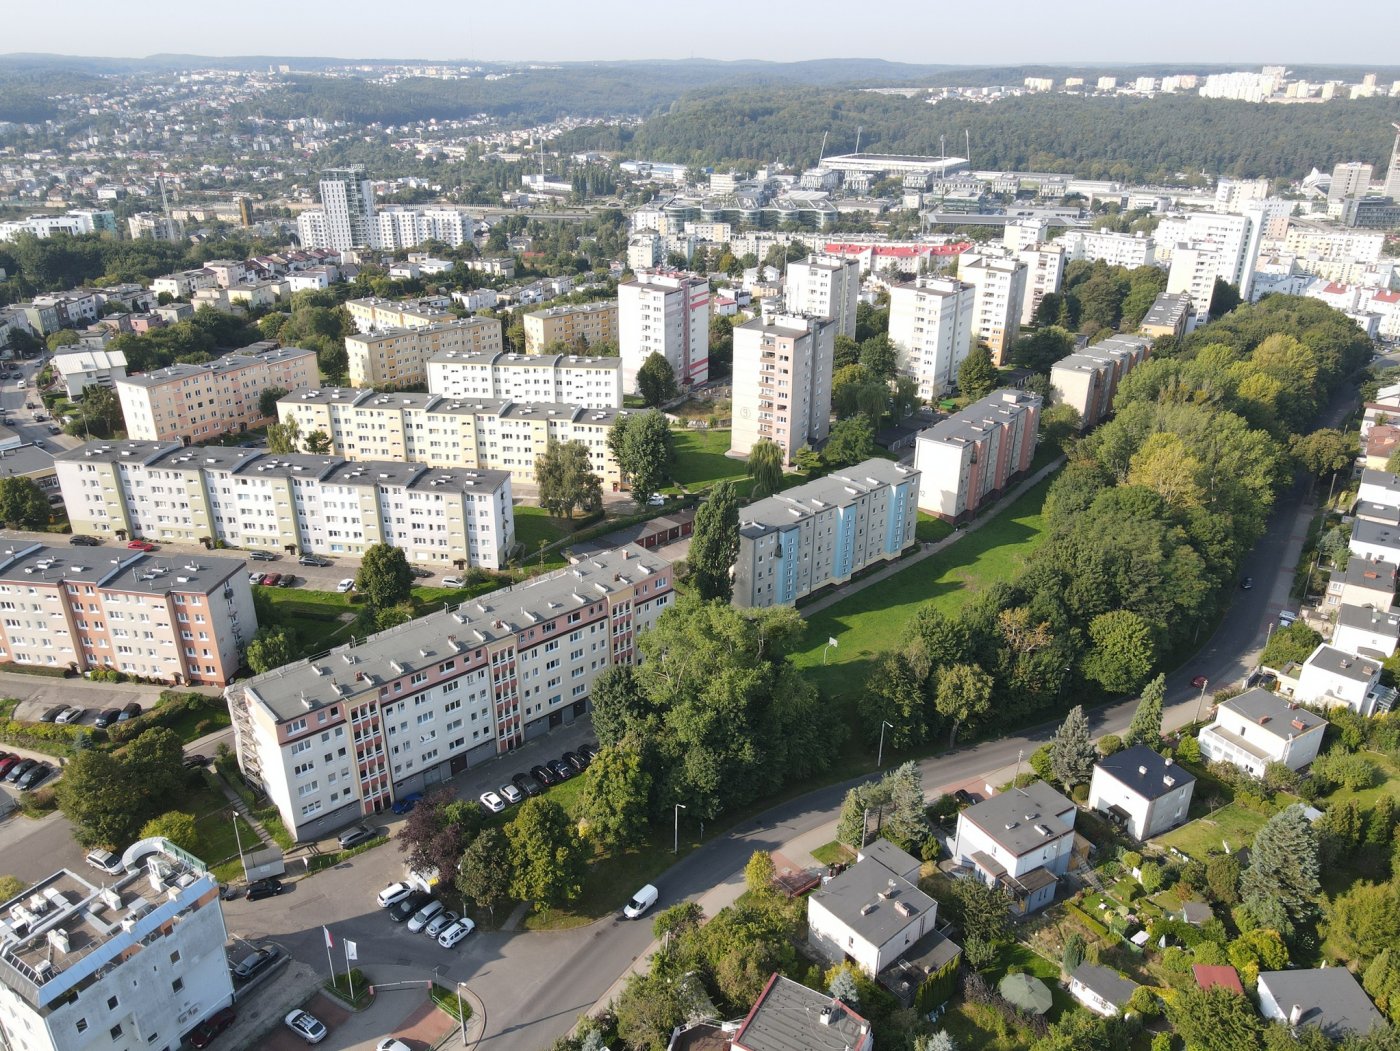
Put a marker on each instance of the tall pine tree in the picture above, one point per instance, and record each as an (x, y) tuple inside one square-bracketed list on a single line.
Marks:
[(1280, 887), (1146, 727), (715, 544), (1072, 753)]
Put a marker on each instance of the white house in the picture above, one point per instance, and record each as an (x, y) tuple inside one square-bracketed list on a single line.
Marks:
[(1144, 792), (1020, 841), (1100, 989), (1374, 540), (1367, 630), (1380, 487), (1366, 582), (82, 366), (1257, 728), (1333, 677), (1327, 997), (872, 913)]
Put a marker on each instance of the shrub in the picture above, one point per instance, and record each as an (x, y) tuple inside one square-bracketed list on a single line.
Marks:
[(1110, 743), (1345, 769), (1189, 750), (1131, 859)]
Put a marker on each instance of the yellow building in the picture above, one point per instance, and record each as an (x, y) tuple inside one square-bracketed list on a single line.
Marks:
[(594, 322), (399, 356)]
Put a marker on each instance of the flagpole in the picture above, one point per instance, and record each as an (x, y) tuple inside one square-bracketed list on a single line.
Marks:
[(349, 977), (329, 964)]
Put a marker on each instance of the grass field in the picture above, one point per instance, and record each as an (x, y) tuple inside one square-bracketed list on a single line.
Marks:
[(930, 530), (1389, 784), (533, 524), (1232, 824), (700, 460)]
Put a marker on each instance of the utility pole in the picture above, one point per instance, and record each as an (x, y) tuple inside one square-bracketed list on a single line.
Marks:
[(676, 845), (880, 755)]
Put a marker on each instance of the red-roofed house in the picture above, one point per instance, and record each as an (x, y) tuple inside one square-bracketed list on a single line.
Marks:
[(1208, 976), (1382, 440)]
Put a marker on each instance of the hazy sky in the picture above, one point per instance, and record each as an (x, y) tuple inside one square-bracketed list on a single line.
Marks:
[(1247, 32)]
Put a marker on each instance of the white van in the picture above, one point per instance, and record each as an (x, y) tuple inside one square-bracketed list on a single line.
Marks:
[(641, 901)]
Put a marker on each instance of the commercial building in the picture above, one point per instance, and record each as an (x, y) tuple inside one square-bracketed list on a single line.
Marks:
[(931, 323), (665, 313), (343, 735), (1167, 316), (180, 621), (1140, 791), (969, 458), (824, 286), (564, 378), (996, 312), (1088, 380), (782, 382), (824, 532), (299, 502), (575, 326), (1256, 728), (78, 367), (132, 962), (1020, 841), (448, 432), (399, 356), (345, 219), (880, 164), (1349, 179), (195, 403)]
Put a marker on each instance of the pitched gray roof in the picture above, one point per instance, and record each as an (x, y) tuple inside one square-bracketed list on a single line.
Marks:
[(1105, 982), (1274, 714), (788, 1017), (875, 902), (1145, 772)]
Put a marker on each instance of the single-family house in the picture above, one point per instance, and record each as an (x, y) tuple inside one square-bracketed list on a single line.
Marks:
[(1256, 728), (1020, 841), (1101, 989), (1328, 997), (1208, 976), (1374, 540), (1380, 487), (1381, 442), (1145, 793), (1332, 677), (787, 1016), (1367, 631), (1365, 582), (1381, 514)]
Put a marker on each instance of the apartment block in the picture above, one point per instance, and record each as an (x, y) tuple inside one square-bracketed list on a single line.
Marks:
[(1194, 268), (1233, 238), (996, 312), (345, 219), (824, 532), (591, 323), (1333, 243), (374, 314), (399, 356), (397, 228), (782, 382), (177, 620), (132, 961), (1167, 316), (195, 403), (566, 378), (967, 460), (431, 429), (1115, 249), (344, 735), (825, 286), (931, 323), (300, 503), (1088, 379), (1045, 274), (666, 313)]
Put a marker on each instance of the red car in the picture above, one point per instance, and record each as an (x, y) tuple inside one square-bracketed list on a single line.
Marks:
[(8, 762), (1199, 682), (140, 545), (204, 1033), (271, 580)]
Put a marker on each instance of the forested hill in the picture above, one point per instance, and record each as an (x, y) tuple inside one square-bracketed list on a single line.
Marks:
[(1111, 137)]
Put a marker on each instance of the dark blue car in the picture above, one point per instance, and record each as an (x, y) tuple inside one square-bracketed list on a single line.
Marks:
[(407, 803)]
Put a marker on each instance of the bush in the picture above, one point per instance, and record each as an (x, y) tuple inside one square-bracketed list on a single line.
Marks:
[(1092, 924), (1345, 769), (1110, 743), (1189, 750)]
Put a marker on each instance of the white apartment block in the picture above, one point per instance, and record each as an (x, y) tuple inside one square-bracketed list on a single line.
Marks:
[(996, 311), (969, 458), (782, 382), (345, 219), (431, 429), (301, 503), (399, 356), (1088, 380), (825, 286), (374, 314), (196, 403), (564, 378), (589, 323), (1045, 274), (822, 533), (180, 620), (1234, 238), (184, 284), (645, 250), (1233, 194), (155, 227), (1194, 269), (1256, 728), (129, 962), (931, 323), (1332, 243), (398, 228), (667, 313), (1115, 249), (76, 223), (344, 735)]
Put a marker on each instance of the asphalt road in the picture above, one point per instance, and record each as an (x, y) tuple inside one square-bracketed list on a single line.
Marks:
[(12, 401)]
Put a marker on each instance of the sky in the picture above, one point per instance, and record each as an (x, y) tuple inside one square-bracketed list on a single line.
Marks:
[(1247, 32)]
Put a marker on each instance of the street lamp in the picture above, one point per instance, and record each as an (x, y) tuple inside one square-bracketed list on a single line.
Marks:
[(1201, 703), (461, 1015), (880, 755), (239, 840), (676, 846)]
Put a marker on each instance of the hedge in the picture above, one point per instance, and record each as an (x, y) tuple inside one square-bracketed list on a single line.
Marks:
[(1089, 921)]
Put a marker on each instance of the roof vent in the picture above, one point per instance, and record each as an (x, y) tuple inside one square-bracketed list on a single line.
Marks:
[(867, 909), (1142, 770), (1298, 724)]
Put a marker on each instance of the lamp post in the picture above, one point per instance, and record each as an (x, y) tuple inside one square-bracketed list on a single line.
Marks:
[(461, 1015), (676, 845), (1201, 703), (239, 840), (880, 755)]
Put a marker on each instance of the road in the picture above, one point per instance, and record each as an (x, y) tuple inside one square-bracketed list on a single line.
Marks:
[(15, 392)]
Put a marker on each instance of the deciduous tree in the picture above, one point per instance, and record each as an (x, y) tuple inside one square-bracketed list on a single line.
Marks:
[(715, 543), (267, 401), (271, 647), (484, 874), (384, 577), (765, 467), (566, 480), (615, 799), (23, 504), (176, 826), (851, 441), (977, 376), (964, 693), (546, 855), (1121, 655), (438, 831), (656, 380), (644, 449)]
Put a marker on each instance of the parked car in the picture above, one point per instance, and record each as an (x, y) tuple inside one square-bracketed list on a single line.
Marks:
[(424, 915), (51, 714), (55, 430), (453, 582), (105, 861), (409, 906), (287, 581), (106, 717), (588, 751), (576, 759), (313, 560), (72, 715), (255, 579), (1200, 682), (391, 1043), (256, 962), (130, 711), (262, 556), (406, 803), (20, 769), (195, 760), (202, 1035), (1246, 583), (450, 937), (641, 901), (439, 923), (353, 837), (271, 580), (547, 778), (492, 802), (393, 894), (560, 769), (140, 545), (306, 1025), (36, 776), (9, 763), (268, 887), (525, 785), (420, 572), (346, 585), (511, 794), (82, 540), (656, 500)]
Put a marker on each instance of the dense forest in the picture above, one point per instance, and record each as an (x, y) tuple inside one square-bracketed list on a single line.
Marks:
[(27, 96)]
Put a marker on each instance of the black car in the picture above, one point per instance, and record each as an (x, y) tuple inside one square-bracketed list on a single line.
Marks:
[(80, 540), (420, 572), (1247, 583), (526, 784), (256, 962), (194, 761), (131, 711), (353, 837), (546, 777), (577, 760), (588, 751), (20, 769), (53, 713), (411, 904), (107, 717), (262, 556), (287, 581), (36, 776), (562, 770), (313, 560), (264, 888)]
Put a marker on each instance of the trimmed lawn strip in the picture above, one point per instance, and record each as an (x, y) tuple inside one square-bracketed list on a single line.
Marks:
[(534, 524), (834, 853)]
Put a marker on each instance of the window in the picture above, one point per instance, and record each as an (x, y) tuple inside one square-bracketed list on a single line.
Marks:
[(177, 984), (111, 1003), (116, 1031), (82, 1025), (175, 956)]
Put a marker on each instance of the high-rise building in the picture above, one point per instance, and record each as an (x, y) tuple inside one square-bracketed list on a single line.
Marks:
[(825, 286), (399, 356), (996, 314), (1392, 175), (969, 458), (668, 313), (782, 382), (1194, 268), (1349, 179), (931, 326), (1045, 272), (346, 215)]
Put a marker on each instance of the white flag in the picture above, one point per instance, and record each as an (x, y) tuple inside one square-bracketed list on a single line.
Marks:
[(831, 641), (350, 952), (329, 940)]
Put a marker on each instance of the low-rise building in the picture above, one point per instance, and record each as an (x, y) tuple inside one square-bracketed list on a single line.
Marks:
[(1088, 379), (1329, 998), (345, 734), (1020, 841), (1365, 582), (136, 960), (1167, 316), (79, 367), (1256, 728), (789, 1016), (1101, 989), (1367, 631), (1332, 677), (559, 378), (575, 325), (1374, 541), (398, 357), (1143, 792), (1379, 487), (970, 458), (824, 532)]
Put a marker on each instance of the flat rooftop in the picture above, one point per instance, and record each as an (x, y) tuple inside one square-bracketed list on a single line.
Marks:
[(1022, 819), (117, 451), (1270, 711), (822, 494), (130, 571), (240, 359)]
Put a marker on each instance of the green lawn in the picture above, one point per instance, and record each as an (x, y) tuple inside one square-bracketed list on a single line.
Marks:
[(700, 459), (533, 524), (1031, 962), (834, 853), (1232, 824), (930, 530), (1366, 798)]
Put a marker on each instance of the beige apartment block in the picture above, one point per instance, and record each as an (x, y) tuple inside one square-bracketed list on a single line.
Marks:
[(375, 313), (782, 382), (399, 357), (593, 323), (996, 312)]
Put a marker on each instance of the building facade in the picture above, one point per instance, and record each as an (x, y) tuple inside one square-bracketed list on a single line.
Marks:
[(399, 356), (591, 323), (195, 403), (665, 313), (782, 383), (373, 314), (970, 458), (1167, 316), (825, 286), (996, 312), (824, 532), (344, 735), (1021, 841), (345, 219), (307, 504), (1045, 274), (1088, 380), (1143, 792), (560, 378), (931, 323), (1115, 249), (1256, 728)]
